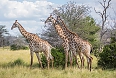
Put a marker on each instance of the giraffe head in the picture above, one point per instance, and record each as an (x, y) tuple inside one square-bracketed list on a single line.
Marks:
[(14, 25), (50, 19)]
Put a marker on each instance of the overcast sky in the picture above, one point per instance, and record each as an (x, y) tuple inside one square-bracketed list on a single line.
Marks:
[(30, 12)]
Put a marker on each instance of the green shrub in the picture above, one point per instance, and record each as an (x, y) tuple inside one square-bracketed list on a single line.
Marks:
[(59, 58), (108, 57), (18, 62), (18, 47)]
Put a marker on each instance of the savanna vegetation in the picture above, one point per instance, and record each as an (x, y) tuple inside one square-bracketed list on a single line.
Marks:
[(16, 64), (15, 55)]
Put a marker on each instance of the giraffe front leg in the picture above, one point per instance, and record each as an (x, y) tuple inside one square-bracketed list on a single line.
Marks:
[(66, 59), (82, 59), (75, 55), (71, 58), (66, 49), (31, 53)]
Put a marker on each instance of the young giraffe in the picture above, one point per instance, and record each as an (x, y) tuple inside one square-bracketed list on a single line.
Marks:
[(36, 45), (65, 44), (77, 44)]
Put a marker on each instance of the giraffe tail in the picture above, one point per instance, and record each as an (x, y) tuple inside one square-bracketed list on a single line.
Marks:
[(91, 49), (52, 47), (91, 57)]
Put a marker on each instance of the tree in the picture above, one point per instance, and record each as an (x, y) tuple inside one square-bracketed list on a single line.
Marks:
[(72, 14), (3, 31), (51, 36), (77, 19), (104, 17)]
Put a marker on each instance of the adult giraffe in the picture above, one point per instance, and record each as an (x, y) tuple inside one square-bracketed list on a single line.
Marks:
[(36, 45), (77, 44), (63, 35)]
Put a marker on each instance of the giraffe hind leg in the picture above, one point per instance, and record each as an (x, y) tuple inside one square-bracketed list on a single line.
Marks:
[(39, 59), (89, 63), (52, 60), (48, 63)]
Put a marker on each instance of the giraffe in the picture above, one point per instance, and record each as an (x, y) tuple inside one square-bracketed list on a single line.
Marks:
[(62, 35), (77, 44), (36, 45)]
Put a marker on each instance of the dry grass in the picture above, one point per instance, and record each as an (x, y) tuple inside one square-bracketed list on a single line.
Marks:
[(7, 56)]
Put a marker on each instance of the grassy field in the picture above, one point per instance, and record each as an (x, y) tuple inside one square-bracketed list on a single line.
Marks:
[(23, 71)]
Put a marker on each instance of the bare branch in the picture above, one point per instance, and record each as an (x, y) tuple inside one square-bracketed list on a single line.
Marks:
[(98, 12), (105, 4), (101, 4)]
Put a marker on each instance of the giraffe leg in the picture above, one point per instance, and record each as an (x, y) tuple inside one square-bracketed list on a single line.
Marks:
[(80, 55), (66, 59), (48, 62), (52, 59), (66, 56), (31, 53), (39, 59), (76, 60), (70, 58), (83, 61), (89, 62), (74, 53), (66, 49)]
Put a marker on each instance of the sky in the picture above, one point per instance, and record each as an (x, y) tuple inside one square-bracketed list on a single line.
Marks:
[(29, 13)]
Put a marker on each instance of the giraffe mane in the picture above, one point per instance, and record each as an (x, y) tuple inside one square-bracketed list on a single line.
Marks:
[(66, 27)]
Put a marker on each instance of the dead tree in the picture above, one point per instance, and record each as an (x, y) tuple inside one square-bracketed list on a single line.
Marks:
[(105, 4)]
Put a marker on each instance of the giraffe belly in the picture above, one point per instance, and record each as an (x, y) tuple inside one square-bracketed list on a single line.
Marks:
[(38, 49)]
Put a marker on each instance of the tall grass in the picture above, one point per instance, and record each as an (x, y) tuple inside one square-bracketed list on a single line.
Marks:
[(15, 64)]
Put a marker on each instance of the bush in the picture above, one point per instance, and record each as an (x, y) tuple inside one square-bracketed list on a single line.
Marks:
[(108, 57), (18, 62), (59, 58), (18, 47)]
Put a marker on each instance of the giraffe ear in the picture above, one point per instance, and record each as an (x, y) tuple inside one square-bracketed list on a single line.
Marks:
[(50, 15)]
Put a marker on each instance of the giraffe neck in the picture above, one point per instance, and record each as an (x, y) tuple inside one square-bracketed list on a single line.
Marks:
[(23, 31), (66, 31), (59, 30)]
